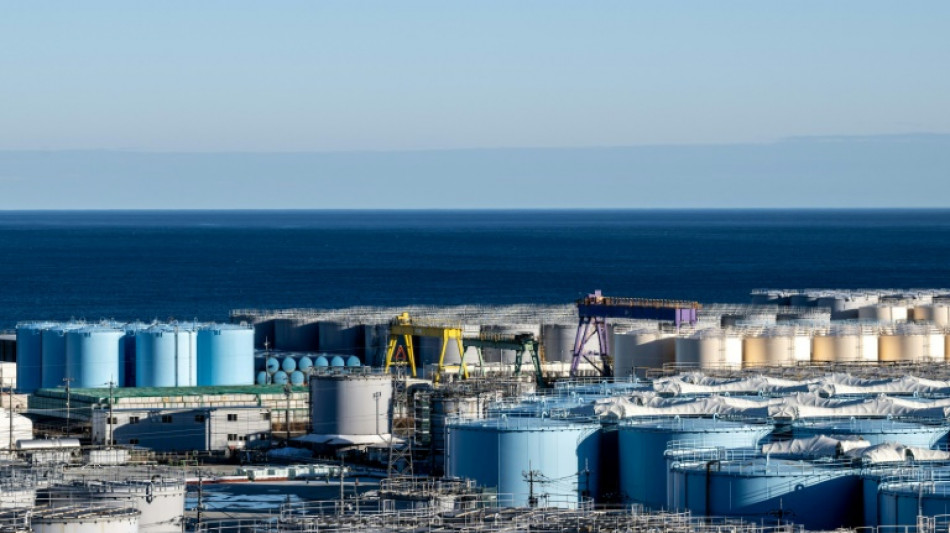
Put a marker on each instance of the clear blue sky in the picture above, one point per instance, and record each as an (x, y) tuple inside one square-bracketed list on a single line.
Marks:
[(235, 76)]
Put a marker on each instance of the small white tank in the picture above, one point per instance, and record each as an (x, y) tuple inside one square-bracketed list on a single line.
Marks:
[(838, 345), (641, 349), (709, 348)]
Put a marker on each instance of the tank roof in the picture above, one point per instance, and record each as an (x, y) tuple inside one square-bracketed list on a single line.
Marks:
[(868, 425), (102, 393), (524, 424), (705, 425)]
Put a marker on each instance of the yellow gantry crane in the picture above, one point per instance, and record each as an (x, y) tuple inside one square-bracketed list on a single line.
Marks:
[(402, 326)]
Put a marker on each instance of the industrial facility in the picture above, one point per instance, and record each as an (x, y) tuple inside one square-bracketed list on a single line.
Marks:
[(802, 409)]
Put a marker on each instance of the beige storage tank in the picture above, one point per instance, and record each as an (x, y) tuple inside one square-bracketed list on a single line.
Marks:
[(938, 312), (768, 348), (635, 351), (709, 348), (558, 341), (494, 355), (911, 344), (887, 313), (840, 345)]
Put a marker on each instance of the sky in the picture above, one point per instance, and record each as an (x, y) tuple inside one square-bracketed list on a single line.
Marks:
[(467, 83)]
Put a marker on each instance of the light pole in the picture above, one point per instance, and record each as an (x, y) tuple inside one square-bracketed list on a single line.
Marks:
[(67, 381), (376, 396)]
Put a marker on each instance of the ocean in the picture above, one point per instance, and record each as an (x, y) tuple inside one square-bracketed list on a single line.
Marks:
[(164, 265)]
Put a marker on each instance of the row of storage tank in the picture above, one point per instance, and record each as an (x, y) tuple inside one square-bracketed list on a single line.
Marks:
[(779, 346), (707, 466), (369, 341), (296, 368), (871, 304), (133, 355)]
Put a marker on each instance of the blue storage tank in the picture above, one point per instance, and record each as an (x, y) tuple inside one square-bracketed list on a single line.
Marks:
[(875, 431), (353, 362), (54, 355), (289, 364), (29, 355), (497, 452), (166, 356), (643, 443), (272, 365), (225, 355), (321, 362), (900, 502), (93, 356), (815, 495), (280, 378), (262, 378), (337, 362), (305, 364), (296, 378)]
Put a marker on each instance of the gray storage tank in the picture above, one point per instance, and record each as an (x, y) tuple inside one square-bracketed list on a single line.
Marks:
[(347, 404)]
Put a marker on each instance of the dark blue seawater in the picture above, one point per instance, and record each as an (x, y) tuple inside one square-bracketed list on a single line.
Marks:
[(128, 265)]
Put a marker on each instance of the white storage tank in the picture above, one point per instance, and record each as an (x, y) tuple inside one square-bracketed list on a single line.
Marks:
[(635, 351), (86, 519), (347, 404), (160, 500), (709, 348), (845, 345), (558, 341), (885, 313), (910, 343)]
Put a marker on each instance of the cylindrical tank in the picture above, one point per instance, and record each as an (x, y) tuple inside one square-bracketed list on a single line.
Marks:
[(305, 364), (768, 348), (321, 362), (636, 351), (353, 362), (444, 406), (901, 502), (845, 345), (884, 312), (272, 365), (337, 362), (54, 354), (93, 354), (296, 334), (225, 355), (508, 448), (289, 364), (166, 356), (558, 341), (428, 350), (770, 297), (709, 349), (29, 352), (264, 333), (160, 501), (911, 344), (643, 444), (296, 377), (127, 356), (86, 519), (763, 488), (262, 377), (875, 431), (803, 299), (280, 378), (350, 404)]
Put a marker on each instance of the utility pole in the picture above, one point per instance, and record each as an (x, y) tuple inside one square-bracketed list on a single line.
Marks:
[(200, 494), (9, 410), (287, 392), (67, 381), (532, 477), (111, 401), (342, 494)]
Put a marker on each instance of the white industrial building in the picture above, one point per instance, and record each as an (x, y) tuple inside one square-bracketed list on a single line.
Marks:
[(181, 430)]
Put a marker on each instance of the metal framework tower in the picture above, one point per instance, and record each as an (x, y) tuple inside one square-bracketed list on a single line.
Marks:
[(403, 427), (594, 310)]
